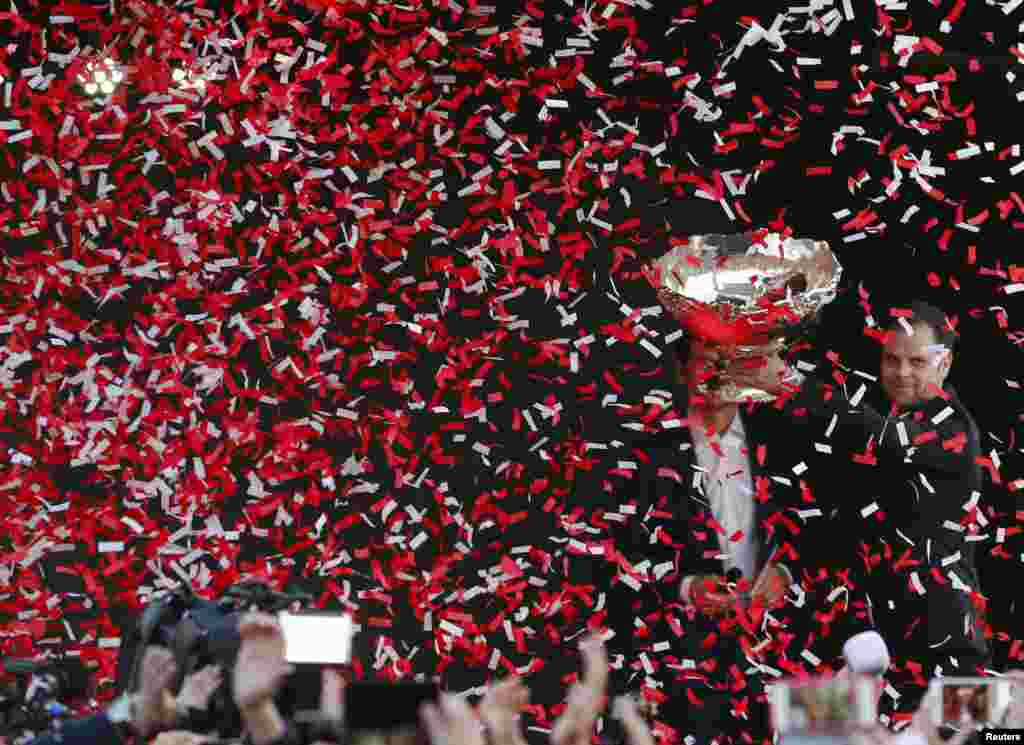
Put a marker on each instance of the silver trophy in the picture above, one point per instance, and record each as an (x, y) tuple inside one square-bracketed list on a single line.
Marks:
[(757, 287)]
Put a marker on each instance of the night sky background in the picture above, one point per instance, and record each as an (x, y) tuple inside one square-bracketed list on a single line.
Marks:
[(340, 316)]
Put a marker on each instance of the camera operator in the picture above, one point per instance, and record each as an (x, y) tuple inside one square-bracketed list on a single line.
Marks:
[(142, 713), (134, 714), (259, 672)]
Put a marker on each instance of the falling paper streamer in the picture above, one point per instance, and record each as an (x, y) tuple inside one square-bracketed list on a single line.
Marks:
[(245, 287)]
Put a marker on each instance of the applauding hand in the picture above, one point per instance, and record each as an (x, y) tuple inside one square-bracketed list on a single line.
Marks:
[(259, 671), (451, 722), (197, 689), (500, 709), (157, 672), (627, 712), (260, 668), (586, 700)]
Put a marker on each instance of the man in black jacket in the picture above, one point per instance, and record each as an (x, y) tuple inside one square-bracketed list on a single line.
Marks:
[(908, 482), (701, 551)]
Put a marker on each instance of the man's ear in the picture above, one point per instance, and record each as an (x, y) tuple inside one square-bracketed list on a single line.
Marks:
[(946, 365)]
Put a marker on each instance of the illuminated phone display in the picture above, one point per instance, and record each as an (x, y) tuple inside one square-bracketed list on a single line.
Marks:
[(835, 705), (317, 638), (971, 701)]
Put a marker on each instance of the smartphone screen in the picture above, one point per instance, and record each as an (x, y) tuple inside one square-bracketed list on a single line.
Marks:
[(834, 705), (317, 638), (970, 701), (387, 713)]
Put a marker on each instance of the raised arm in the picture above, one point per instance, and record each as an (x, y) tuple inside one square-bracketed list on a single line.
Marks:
[(941, 438), (943, 441)]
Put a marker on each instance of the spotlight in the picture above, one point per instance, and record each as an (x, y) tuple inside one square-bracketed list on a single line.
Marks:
[(186, 79), (101, 77)]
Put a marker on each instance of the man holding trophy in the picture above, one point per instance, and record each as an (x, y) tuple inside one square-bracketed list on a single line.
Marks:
[(742, 509), (736, 299), (704, 541)]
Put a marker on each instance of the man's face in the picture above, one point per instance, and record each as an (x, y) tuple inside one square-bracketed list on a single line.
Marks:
[(705, 361), (913, 367)]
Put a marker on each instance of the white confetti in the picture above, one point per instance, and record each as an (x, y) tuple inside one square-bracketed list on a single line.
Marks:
[(915, 582), (811, 657)]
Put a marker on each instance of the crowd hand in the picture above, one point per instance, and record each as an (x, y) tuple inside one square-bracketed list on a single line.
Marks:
[(1014, 716), (332, 699), (770, 587), (500, 709), (181, 737), (260, 667), (332, 695), (709, 595), (927, 721), (259, 671), (879, 735), (451, 722), (923, 729), (198, 688), (626, 711), (585, 702), (155, 676)]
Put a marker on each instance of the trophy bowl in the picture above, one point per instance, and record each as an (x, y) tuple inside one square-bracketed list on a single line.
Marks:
[(747, 291)]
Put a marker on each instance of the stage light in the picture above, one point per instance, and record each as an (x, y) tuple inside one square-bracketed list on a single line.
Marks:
[(101, 78)]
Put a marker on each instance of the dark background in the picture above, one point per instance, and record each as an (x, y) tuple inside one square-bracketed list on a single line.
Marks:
[(493, 485)]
